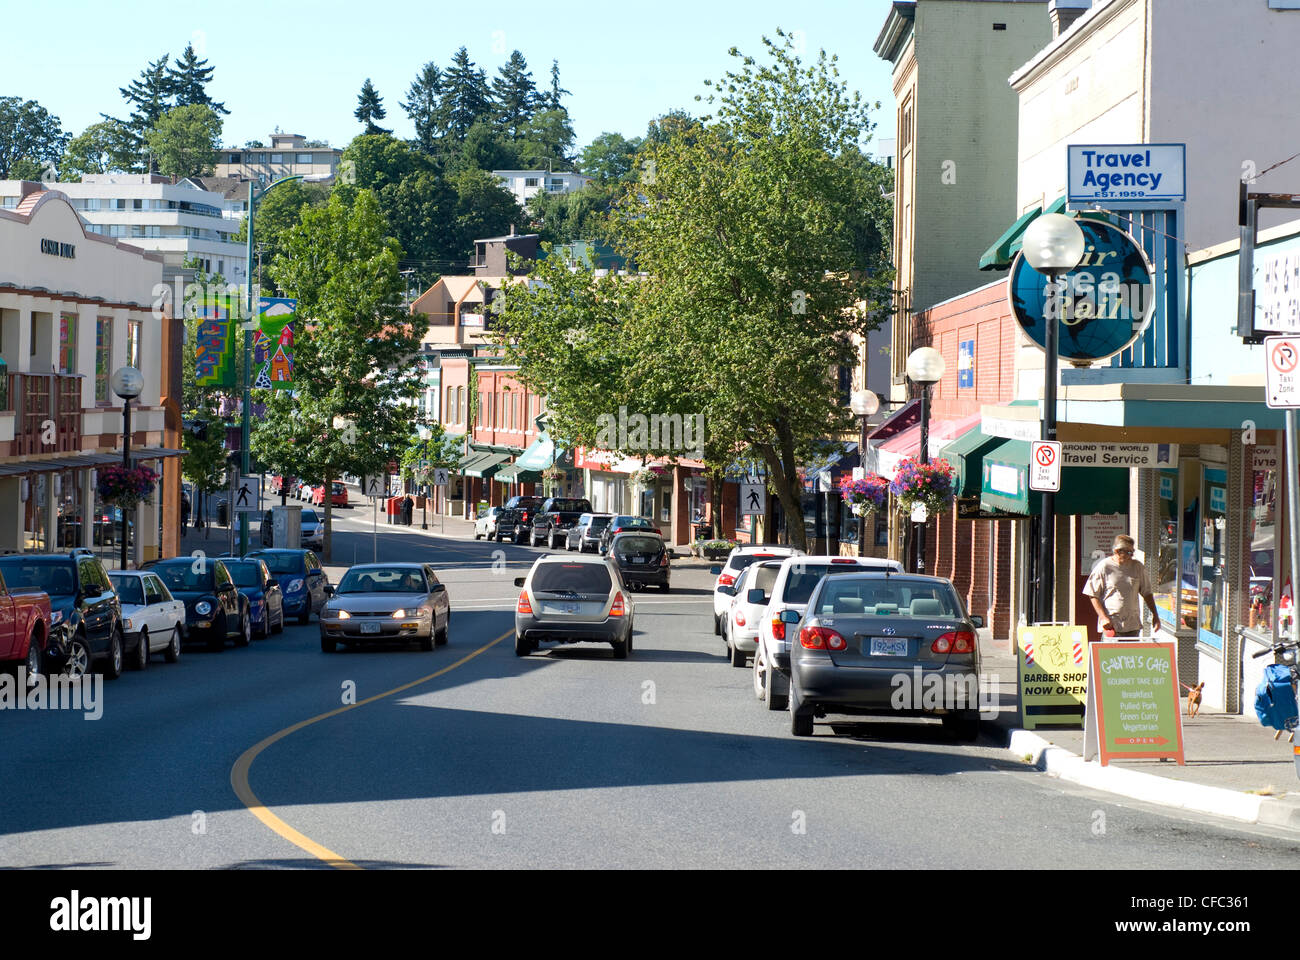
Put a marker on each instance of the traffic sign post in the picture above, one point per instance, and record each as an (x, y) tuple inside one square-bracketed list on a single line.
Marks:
[(441, 477), (1282, 356), (753, 498), (1045, 466), (248, 495)]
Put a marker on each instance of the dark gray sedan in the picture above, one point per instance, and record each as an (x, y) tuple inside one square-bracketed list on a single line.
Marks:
[(386, 602), (885, 644)]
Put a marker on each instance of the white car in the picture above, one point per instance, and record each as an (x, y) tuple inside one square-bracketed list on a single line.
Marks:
[(729, 572), (150, 614), (740, 625), (795, 581), (486, 524)]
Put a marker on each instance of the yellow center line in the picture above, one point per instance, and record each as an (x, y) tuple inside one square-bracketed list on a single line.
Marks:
[(239, 772)]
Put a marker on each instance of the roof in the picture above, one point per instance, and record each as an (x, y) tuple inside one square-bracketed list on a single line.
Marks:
[(897, 28), (513, 236)]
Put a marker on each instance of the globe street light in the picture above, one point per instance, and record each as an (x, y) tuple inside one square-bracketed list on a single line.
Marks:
[(1053, 245), (925, 365), (127, 383), (864, 404)]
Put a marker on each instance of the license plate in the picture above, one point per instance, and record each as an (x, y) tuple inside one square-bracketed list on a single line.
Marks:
[(638, 559), (370, 628), (888, 647), (560, 608)]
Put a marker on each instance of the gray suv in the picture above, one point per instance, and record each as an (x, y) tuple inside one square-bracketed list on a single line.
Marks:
[(571, 600)]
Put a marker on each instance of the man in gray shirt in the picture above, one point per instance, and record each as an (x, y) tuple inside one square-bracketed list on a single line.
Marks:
[(1116, 585)]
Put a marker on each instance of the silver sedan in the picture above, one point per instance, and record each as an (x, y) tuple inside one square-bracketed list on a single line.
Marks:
[(384, 603)]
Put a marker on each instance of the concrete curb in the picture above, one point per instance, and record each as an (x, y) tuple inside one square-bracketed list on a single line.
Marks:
[(1218, 801)]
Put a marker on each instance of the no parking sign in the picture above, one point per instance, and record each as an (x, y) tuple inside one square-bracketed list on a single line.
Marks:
[(1045, 466)]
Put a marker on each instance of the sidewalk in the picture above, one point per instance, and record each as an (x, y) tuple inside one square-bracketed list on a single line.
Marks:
[(1234, 768)]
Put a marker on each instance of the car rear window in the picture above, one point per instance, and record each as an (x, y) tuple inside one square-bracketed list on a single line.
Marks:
[(630, 546), (128, 589), (894, 598), (764, 578), (185, 578), (577, 577), (741, 560), (280, 562), (55, 575), (805, 576), (598, 523), (571, 506)]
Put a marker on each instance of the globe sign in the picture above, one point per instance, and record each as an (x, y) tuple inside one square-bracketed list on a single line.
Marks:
[(1103, 304)]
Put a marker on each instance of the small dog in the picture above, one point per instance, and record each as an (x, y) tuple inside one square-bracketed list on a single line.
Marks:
[(1194, 699)]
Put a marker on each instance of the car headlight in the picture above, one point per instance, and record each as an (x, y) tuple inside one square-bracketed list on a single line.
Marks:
[(203, 608), (56, 617), (129, 625), (344, 615), (295, 585), (425, 611), (399, 613)]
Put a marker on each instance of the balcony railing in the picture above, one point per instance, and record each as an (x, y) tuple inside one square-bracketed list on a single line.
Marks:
[(48, 408)]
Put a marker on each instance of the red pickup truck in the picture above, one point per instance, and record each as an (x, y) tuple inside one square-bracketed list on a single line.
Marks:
[(24, 627)]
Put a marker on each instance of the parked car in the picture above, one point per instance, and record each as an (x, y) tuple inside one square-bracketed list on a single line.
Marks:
[(642, 559), (750, 596), (796, 579), (863, 638), (727, 574), (25, 628), (338, 495), (621, 523), (215, 610), (85, 615), (313, 530), (152, 619), (527, 503), (303, 583), (585, 534), (513, 523), (554, 519), (571, 600), (377, 602), (265, 598), (485, 524)]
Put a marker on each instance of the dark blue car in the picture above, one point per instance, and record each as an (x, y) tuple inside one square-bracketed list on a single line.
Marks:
[(265, 598), (302, 580)]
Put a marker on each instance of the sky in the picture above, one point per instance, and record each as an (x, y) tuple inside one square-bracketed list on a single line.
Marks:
[(300, 66)]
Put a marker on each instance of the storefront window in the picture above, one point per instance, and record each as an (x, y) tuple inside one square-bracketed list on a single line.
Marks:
[(133, 343), (647, 508), (1261, 535), (666, 505), (103, 357), (1164, 572), (1213, 544), (68, 343)]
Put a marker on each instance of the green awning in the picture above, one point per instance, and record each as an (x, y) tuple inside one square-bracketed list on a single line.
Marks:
[(965, 453), (1004, 485), (485, 466), (516, 474), (1005, 247), (469, 458), (540, 455)]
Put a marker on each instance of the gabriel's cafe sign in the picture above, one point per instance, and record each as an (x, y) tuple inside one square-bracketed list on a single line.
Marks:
[(1086, 453)]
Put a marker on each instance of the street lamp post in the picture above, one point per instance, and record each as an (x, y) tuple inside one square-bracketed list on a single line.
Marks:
[(1053, 245), (128, 384), (250, 322), (925, 365), (864, 404)]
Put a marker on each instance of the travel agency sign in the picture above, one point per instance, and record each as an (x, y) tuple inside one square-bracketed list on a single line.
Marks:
[(1127, 173), (1102, 305)]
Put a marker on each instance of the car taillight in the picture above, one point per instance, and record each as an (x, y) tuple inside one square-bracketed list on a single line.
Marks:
[(821, 638), (663, 559), (524, 519), (617, 609), (956, 641), (523, 606), (726, 580), (740, 618), (778, 628), (843, 560)]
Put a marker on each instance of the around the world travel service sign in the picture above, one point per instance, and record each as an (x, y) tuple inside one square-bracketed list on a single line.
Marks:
[(1103, 304)]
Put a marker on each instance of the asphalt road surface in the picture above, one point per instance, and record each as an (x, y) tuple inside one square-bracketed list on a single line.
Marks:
[(281, 756)]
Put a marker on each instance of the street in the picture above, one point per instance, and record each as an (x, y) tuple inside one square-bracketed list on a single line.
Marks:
[(471, 757)]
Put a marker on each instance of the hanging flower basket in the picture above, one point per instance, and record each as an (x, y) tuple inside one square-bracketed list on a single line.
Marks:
[(923, 484), (645, 478), (867, 495), (553, 474), (123, 487)]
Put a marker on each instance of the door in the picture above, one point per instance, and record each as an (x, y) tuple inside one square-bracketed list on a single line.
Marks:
[(1213, 548)]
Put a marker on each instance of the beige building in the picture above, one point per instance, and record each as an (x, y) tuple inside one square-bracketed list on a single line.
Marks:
[(288, 155)]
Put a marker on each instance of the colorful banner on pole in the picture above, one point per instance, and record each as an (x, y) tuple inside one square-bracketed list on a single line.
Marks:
[(214, 347), (1133, 709), (1053, 674), (273, 343)]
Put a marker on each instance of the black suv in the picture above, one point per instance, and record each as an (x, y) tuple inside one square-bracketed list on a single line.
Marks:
[(514, 523), (555, 518), (85, 615)]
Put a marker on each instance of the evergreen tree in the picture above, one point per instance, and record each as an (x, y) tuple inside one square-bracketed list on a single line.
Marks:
[(515, 95), (424, 105), (149, 96), (370, 107), (553, 98), (466, 97), (189, 79)]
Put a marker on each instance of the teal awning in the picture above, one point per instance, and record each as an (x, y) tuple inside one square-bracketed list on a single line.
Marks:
[(1005, 247), (1004, 485), (485, 465), (517, 474), (540, 455), (966, 453)]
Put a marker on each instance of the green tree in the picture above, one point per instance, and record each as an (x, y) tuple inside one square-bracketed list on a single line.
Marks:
[(204, 464), (483, 208), (515, 95), (354, 379), (424, 105), (102, 147), (555, 96), (148, 97), (548, 134), (28, 132), (610, 158), (277, 213), (379, 159), (484, 147), (566, 217), (186, 140), (466, 97), (370, 107), (189, 80)]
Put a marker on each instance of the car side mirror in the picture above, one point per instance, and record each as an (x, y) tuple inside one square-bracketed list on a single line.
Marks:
[(437, 588), (519, 581), (715, 570), (672, 554), (978, 621), (329, 589), (790, 616), (756, 596)]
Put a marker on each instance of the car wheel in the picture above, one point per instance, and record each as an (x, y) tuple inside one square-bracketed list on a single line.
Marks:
[(440, 638), (141, 661), (522, 647), (261, 631), (112, 665), (737, 657), (33, 663), (245, 631), (78, 663), (760, 690), (304, 618), (772, 680), (717, 625), (327, 645), (663, 588), (173, 651), (477, 535), (498, 538), (278, 626), (962, 725), (217, 639), (801, 717), (620, 649)]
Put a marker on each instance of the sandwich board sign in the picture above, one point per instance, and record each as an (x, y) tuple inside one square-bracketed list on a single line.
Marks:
[(1045, 466), (1053, 673), (1133, 709)]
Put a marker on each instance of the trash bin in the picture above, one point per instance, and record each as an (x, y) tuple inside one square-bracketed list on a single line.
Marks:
[(393, 508), (223, 513)]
